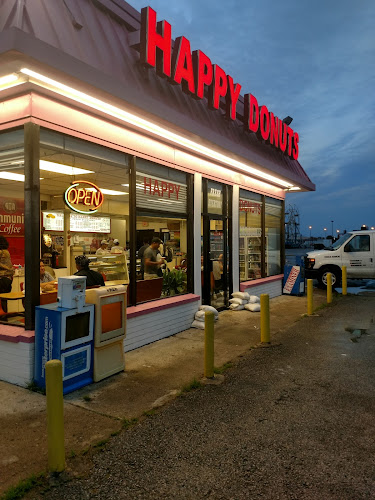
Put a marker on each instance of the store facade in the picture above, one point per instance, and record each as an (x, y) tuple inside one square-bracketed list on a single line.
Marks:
[(96, 146)]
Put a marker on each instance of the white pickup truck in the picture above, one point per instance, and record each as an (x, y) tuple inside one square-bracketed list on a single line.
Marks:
[(355, 250)]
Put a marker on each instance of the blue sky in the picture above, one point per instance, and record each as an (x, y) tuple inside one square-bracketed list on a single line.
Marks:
[(314, 61)]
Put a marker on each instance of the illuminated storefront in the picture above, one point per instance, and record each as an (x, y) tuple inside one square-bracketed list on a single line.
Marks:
[(96, 145)]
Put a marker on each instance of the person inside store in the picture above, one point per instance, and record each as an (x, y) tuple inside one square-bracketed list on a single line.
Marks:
[(93, 277), (6, 271), (6, 267), (152, 259), (47, 281), (217, 270), (140, 253), (103, 249), (117, 248)]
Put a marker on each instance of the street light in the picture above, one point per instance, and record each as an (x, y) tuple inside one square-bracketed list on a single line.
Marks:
[(325, 232), (310, 227), (332, 221), (338, 233)]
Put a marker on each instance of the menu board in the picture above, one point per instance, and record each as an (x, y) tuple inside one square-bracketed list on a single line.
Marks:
[(89, 224), (54, 221)]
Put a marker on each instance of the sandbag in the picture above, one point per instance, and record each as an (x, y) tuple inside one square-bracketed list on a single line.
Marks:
[(209, 308), (252, 307), (200, 315), (198, 324), (236, 300), (241, 295), (236, 307), (254, 299)]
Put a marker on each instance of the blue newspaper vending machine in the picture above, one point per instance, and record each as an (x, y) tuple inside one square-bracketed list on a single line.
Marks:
[(294, 278), (65, 331)]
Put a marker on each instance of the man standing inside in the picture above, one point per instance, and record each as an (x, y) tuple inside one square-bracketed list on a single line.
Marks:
[(150, 259), (103, 249)]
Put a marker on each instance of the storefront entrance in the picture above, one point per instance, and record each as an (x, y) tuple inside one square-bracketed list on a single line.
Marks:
[(215, 257)]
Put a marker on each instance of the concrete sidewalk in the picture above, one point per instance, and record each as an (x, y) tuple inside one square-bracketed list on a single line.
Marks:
[(154, 374)]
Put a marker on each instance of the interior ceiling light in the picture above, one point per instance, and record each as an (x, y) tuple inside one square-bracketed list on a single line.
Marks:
[(147, 126), (108, 191), (11, 176), (294, 188), (59, 168), (126, 185)]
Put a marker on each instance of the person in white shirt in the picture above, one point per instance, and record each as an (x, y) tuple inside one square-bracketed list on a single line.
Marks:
[(116, 247), (103, 250)]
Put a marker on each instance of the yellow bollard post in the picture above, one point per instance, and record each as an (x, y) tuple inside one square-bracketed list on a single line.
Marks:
[(209, 320), (55, 416), (344, 281), (265, 318), (310, 306), (329, 288)]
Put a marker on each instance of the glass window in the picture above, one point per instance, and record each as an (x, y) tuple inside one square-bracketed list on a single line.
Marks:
[(250, 244), (12, 224), (161, 195), (81, 227), (360, 243), (273, 236), (215, 198)]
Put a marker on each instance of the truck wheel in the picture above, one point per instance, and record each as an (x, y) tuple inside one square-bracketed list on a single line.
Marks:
[(336, 277)]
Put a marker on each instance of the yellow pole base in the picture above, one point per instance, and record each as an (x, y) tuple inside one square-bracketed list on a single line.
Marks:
[(209, 321), (265, 318), (55, 416), (344, 281), (310, 303), (329, 288)]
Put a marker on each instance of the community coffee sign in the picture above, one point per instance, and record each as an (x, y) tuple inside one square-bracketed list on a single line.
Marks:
[(195, 72), (12, 220), (83, 197)]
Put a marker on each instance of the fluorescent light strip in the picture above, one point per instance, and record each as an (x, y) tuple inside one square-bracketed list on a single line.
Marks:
[(108, 191), (88, 100), (60, 168), (11, 176), (4, 80)]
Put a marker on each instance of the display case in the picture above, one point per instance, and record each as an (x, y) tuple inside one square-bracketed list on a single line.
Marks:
[(250, 257), (216, 244), (113, 267)]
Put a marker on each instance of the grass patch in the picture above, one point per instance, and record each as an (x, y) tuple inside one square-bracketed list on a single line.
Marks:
[(72, 454), (149, 413), (87, 398), (100, 444), (115, 433), (223, 368), (195, 384), (24, 486), (35, 388), (126, 423)]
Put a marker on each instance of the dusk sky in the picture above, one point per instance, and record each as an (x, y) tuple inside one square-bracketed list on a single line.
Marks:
[(314, 61)]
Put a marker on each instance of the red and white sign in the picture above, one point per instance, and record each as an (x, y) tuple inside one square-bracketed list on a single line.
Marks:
[(160, 194), (289, 284), (12, 227), (250, 207), (194, 71)]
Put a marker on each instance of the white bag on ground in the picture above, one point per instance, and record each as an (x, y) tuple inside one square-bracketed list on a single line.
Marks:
[(252, 307), (209, 308), (241, 295), (236, 307), (198, 324), (200, 315), (254, 299), (236, 300)]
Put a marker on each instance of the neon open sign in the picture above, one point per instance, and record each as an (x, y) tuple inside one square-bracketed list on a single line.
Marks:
[(83, 194)]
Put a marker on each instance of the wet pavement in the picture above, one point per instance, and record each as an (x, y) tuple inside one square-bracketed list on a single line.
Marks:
[(312, 370)]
